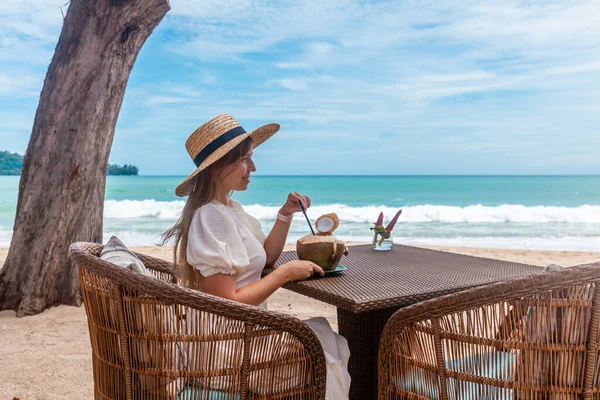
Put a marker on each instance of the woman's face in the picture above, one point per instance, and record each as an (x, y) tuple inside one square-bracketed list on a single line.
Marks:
[(237, 176)]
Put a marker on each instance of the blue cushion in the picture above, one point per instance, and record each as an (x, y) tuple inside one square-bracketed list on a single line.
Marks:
[(196, 393), (478, 365), (481, 365)]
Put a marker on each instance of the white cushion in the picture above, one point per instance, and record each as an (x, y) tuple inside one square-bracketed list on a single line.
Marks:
[(117, 253)]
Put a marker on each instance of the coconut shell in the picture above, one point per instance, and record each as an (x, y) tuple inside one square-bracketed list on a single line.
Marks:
[(325, 251), (322, 218)]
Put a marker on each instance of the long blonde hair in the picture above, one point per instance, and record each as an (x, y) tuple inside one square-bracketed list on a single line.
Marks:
[(204, 191)]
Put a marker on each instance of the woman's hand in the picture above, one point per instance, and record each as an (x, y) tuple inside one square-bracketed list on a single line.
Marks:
[(257, 292), (278, 235), (299, 270), (292, 206)]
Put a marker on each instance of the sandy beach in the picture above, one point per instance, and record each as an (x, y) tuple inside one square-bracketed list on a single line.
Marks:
[(48, 356)]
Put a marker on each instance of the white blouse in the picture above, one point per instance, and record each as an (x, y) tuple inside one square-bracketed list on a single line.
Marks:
[(224, 239)]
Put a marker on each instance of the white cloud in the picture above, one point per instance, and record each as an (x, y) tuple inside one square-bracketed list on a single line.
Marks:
[(209, 80), (28, 31), (16, 84), (162, 100), (320, 47), (484, 71), (417, 52), (292, 84), (575, 68)]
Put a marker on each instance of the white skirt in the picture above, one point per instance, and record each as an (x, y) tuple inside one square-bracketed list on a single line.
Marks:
[(337, 354), (335, 348)]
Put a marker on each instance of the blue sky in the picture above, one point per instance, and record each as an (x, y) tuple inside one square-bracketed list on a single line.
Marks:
[(359, 87)]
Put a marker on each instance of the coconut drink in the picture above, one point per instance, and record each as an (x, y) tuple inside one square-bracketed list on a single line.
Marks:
[(323, 248)]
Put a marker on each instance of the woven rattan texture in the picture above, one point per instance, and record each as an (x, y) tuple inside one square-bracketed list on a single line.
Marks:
[(526, 338), (211, 130), (402, 276), (362, 330), (151, 338)]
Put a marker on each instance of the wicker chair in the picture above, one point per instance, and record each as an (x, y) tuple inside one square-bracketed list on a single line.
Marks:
[(526, 338), (153, 339)]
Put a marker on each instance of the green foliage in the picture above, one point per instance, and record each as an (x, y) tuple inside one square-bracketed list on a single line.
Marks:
[(381, 233), (114, 169), (10, 163)]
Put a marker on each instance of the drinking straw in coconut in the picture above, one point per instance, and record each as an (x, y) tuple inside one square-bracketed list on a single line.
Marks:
[(306, 216)]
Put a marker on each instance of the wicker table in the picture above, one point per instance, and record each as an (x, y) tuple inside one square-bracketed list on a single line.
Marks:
[(376, 284)]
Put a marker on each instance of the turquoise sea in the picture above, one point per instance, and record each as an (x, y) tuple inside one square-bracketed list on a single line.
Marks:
[(528, 212)]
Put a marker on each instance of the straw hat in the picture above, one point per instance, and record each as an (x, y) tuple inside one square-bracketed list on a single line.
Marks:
[(216, 138)]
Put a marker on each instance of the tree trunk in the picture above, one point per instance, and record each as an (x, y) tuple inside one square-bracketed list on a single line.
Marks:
[(61, 192)]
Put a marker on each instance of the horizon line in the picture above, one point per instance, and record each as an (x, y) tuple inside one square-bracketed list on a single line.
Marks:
[(362, 175), (388, 175)]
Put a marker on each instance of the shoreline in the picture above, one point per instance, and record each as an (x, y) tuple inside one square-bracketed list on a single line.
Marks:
[(48, 356), (535, 257), (526, 256)]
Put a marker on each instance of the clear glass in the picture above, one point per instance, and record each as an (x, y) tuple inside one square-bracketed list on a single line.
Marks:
[(381, 243)]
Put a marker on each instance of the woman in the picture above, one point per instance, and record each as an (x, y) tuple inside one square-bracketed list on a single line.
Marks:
[(222, 250)]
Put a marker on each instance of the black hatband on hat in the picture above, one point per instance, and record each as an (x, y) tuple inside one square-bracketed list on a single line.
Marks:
[(217, 143)]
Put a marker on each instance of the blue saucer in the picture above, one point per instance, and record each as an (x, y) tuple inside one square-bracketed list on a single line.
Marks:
[(337, 269)]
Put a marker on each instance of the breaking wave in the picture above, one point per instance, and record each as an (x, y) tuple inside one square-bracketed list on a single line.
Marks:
[(507, 213)]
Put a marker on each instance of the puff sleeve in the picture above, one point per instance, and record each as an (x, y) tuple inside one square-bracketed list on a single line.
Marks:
[(252, 223), (214, 243)]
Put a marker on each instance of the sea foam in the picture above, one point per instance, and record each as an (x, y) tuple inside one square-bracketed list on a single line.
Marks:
[(168, 210), (507, 213)]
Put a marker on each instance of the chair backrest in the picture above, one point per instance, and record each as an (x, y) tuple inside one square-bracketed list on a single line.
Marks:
[(152, 339), (526, 338)]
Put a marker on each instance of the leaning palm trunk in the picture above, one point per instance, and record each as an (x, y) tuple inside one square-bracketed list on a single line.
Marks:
[(61, 192)]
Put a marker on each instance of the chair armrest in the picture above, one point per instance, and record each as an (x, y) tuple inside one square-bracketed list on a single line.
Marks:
[(157, 264), (508, 290), (258, 322), (237, 311), (141, 294), (161, 269), (465, 335)]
